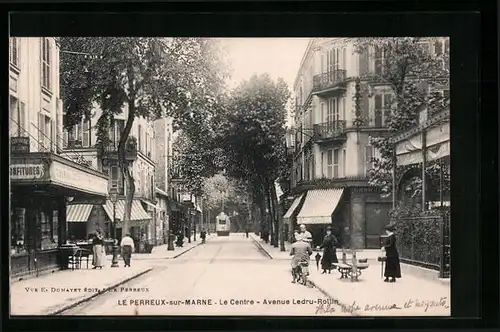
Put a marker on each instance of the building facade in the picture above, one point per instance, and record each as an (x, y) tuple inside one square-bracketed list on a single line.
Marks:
[(42, 182), (329, 146), (80, 144)]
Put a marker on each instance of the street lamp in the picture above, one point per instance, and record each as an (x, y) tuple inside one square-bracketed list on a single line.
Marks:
[(113, 197)]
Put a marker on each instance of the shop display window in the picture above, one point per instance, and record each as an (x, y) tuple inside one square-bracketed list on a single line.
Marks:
[(18, 243)]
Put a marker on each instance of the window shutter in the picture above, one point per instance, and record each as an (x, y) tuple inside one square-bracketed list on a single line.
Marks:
[(365, 105), (22, 120), (40, 131), (344, 58), (52, 137), (65, 138), (363, 63)]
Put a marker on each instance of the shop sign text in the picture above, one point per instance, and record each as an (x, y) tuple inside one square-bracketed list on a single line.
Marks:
[(26, 171)]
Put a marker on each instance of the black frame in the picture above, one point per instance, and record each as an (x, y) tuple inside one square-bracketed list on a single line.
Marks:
[(464, 31)]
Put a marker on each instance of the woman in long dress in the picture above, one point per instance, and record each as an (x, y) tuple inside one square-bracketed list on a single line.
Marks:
[(392, 266), (98, 257), (329, 251)]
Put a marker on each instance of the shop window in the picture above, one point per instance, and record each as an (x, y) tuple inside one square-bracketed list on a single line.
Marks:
[(47, 226), (18, 243)]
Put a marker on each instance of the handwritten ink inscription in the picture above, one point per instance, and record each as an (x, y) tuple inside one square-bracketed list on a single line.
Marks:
[(333, 306)]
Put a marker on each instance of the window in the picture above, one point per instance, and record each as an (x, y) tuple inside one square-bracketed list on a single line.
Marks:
[(336, 163), (344, 162), (79, 135), (442, 50), (146, 143), (332, 110), (45, 130), (114, 176), (332, 60), (17, 118), (379, 61), (332, 163), (46, 63), (14, 51), (369, 164), (383, 104)]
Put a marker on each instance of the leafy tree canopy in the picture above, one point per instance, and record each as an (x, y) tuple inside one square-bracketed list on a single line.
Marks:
[(416, 77)]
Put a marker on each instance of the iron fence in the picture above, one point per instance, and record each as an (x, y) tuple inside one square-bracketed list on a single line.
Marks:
[(425, 241)]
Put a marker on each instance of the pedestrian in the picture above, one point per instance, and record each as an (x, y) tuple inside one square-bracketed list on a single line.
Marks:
[(180, 239), (203, 235), (329, 251), (392, 266), (127, 245), (296, 236), (98, 256), (304, 232)]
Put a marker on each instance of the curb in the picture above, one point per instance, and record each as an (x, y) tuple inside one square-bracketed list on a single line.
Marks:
[(182, 253), (337, 302), (88, 298), (261, 248)]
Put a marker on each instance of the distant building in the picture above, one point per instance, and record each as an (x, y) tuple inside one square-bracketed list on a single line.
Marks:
[(80, 144)]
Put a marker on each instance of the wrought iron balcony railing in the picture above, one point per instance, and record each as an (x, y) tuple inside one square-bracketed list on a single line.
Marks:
[(111, 150), (329, 79), (329, 130)]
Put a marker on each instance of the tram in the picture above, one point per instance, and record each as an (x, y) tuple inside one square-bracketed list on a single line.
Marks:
[(223, 224)]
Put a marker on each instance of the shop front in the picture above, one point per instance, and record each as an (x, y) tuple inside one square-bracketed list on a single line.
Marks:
[(139, 222), (42, 184)]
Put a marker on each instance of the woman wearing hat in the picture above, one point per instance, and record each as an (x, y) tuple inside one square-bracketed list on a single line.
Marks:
[(329, 251), (392, 266)]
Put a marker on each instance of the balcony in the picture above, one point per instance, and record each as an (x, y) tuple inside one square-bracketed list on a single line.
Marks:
[(329, 81), (110, 151), (74, 144), (330, 131)]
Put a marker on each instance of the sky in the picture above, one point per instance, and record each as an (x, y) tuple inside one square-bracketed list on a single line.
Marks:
[(280, 57)]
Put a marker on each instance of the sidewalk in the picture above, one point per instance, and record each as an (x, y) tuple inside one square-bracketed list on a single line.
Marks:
[(52, 293), (276, 253), (370, 296), (162, 252)]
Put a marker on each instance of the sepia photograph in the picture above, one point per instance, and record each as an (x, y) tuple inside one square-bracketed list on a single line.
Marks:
[(182, 176)]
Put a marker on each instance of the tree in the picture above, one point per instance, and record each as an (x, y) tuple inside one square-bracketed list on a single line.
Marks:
[(407, 66), (253, 139), (147, 77)]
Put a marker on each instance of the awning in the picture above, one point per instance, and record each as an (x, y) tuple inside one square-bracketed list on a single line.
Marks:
[(150, 204), (78, 212), (291, 210), (319, 206), (138, 216)]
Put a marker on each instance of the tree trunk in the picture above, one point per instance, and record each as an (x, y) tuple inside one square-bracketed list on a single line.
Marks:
[(277, 214), (270, 214), (123, 164)]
